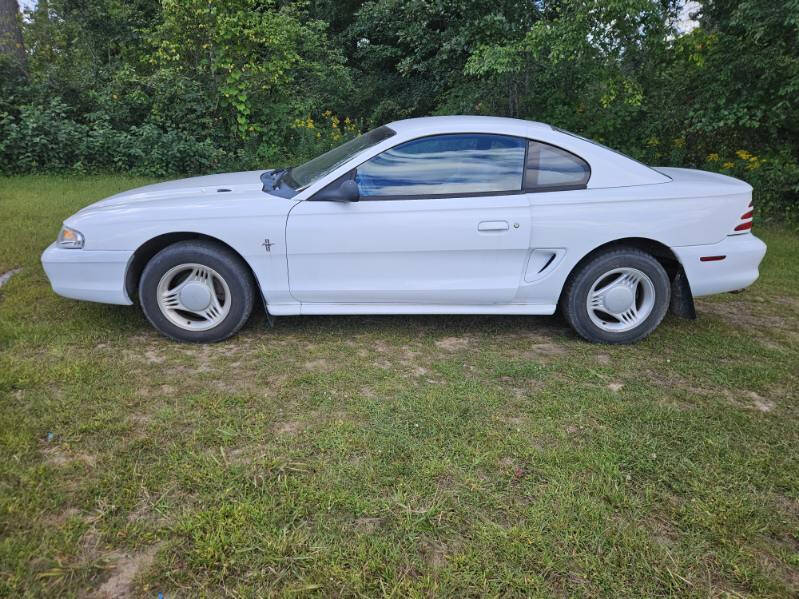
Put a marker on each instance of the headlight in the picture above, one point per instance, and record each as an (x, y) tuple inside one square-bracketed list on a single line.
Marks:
[(70, 238)]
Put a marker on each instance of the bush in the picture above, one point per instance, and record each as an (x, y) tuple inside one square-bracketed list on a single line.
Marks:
[(48, 138)]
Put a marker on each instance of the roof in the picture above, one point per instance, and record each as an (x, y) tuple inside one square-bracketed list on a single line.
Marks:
[(466, 123)]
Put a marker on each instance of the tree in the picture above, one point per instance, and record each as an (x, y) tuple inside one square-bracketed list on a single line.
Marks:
[(11, 44)]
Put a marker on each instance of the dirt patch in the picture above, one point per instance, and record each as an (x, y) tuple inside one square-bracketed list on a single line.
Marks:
[(382, 347), (579, 433), (367, 392), (419, 371), (4, 278), (61, 518), (772, 345), (452, 343), (367, 525), (548, 349), (663, 532), (240, 455), (150, 509), (615, 387), (290, 427), (434, 553), (515, 422), (741, 314), (787, 301), (127, 566), (139, 419), (668, 379), (153, 357), (787, 504), (320, 365), (761, 404), (603, 359), (57, 456), (507, 462)]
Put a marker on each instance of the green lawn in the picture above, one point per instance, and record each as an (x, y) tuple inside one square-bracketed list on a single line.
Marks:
[(391, 455)]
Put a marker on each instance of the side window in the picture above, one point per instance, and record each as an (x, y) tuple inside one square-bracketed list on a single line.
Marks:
[(445, 165), (551, 167)]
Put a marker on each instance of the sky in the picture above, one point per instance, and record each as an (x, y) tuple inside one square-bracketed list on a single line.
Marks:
[(684, 21)]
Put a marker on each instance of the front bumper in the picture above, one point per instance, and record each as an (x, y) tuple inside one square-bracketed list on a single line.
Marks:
[(739, 268), (95, 276)]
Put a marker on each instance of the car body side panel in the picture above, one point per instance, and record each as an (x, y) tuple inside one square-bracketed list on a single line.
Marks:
[(468, 250), (242, 220), (580, 221)]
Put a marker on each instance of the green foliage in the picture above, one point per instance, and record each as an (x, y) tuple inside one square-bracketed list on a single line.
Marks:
[(45, 137), (187, 86), (258, 64)]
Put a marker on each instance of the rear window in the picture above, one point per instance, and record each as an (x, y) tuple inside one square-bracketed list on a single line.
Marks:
[(550, 168)]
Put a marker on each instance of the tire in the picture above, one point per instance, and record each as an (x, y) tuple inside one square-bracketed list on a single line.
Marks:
[(181, 279), (630, 293)]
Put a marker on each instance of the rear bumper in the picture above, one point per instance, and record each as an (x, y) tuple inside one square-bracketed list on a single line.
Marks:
[(739, 268), (95, 276)]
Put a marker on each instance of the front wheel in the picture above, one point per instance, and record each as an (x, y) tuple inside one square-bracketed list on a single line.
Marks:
[(618, 296), (196, 291)]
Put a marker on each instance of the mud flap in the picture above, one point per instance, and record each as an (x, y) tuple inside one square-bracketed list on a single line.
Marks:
[(270, 319), (682, 300)]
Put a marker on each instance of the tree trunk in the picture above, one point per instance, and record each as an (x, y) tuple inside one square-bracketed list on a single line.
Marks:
[(11, 45)]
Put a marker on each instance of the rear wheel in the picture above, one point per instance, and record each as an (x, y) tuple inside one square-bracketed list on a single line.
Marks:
[(618, 296), (196, 291)]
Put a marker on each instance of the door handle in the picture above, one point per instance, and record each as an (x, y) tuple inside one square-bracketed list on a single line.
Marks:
[(493, 225)]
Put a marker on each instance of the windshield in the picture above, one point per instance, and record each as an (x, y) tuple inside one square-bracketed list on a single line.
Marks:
[(305, 174)]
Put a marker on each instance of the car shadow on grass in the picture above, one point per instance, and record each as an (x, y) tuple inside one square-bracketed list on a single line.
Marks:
[(113, 319)]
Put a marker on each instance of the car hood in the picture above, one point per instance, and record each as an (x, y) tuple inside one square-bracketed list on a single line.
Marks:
[(224, 185)]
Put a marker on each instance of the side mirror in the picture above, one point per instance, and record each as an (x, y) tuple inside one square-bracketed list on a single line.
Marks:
[(339, 191)]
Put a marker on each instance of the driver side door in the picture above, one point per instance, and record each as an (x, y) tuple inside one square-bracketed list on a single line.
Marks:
[(441, 220)]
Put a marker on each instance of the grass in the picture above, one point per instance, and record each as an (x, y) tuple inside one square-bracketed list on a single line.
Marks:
[(400, 456)]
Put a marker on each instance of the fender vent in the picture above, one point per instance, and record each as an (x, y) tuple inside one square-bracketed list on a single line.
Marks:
[(542, 261)]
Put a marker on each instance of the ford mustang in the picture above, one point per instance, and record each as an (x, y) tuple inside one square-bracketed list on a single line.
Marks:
[(438, 215)]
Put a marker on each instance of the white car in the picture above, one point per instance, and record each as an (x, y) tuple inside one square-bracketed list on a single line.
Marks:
[(439, 215)]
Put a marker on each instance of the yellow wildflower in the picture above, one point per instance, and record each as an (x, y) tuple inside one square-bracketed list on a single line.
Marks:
[(743, 154), (652, 141), (713, 157), (727, 165), (754, 163)]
